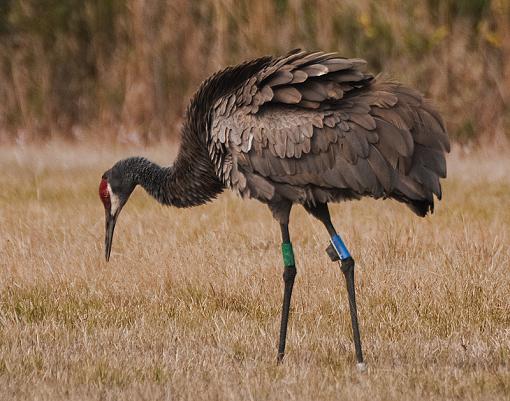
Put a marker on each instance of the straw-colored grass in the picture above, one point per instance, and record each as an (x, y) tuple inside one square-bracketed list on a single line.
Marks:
[(189, 306)]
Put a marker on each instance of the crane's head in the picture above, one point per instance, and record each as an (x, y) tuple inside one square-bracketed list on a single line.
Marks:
[(114, 191)]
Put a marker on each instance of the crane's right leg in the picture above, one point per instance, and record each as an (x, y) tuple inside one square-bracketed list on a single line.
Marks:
[(281, 212), (337, 251)]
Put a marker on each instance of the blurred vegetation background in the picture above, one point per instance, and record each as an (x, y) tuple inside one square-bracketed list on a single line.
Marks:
[(123, 70)]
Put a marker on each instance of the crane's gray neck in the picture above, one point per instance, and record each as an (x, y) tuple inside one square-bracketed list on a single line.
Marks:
[(184, 184)]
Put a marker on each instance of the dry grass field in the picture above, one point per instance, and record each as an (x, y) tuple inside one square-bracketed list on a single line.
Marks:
[(189, 306)]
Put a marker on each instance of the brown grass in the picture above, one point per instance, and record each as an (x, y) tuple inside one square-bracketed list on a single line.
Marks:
[(189, 306)]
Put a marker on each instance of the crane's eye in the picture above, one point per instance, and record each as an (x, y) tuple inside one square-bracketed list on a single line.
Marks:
[(104, 194)]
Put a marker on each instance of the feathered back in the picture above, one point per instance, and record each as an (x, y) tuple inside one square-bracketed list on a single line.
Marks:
[(313, 127)]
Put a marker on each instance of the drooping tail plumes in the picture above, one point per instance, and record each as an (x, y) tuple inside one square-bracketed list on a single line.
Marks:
[(416, 177)]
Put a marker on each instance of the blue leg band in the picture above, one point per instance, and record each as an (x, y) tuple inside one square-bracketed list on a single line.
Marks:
[(340, 247)]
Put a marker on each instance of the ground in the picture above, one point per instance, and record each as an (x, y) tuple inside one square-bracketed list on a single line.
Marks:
[(188, 308)]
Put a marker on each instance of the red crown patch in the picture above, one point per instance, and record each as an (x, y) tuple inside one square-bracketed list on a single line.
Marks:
[(104, 194)]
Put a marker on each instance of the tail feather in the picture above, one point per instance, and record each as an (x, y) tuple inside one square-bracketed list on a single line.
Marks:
[(418, 177)]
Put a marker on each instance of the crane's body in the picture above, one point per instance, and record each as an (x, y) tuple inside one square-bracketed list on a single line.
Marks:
[(307, 128)]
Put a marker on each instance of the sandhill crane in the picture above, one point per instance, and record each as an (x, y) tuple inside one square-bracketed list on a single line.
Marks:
[(306, 128)]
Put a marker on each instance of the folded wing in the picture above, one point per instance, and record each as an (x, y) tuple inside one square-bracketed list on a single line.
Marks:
[(313, 127)]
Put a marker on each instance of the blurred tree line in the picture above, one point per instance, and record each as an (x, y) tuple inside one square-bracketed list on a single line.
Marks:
[(124, 69)]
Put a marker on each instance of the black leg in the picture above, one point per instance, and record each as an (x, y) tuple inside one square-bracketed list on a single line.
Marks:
[(289, 274), (347, 266), (337, 251)]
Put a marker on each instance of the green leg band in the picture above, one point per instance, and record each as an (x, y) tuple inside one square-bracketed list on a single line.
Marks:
[(288, 254)]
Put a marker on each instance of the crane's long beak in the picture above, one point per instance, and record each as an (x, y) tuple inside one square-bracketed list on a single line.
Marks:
[(109, 228)]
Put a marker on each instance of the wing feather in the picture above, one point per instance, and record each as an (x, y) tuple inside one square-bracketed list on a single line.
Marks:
[(311, 126)]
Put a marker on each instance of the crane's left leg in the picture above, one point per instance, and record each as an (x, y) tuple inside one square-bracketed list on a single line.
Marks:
[(281, 212), (338, 251), (289, 274)]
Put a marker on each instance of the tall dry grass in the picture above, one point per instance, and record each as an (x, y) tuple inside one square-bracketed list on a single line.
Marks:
[(123, 70), (189, 306)]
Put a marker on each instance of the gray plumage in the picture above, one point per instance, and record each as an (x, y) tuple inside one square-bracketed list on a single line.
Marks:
[(307, 128), (314, 128)]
